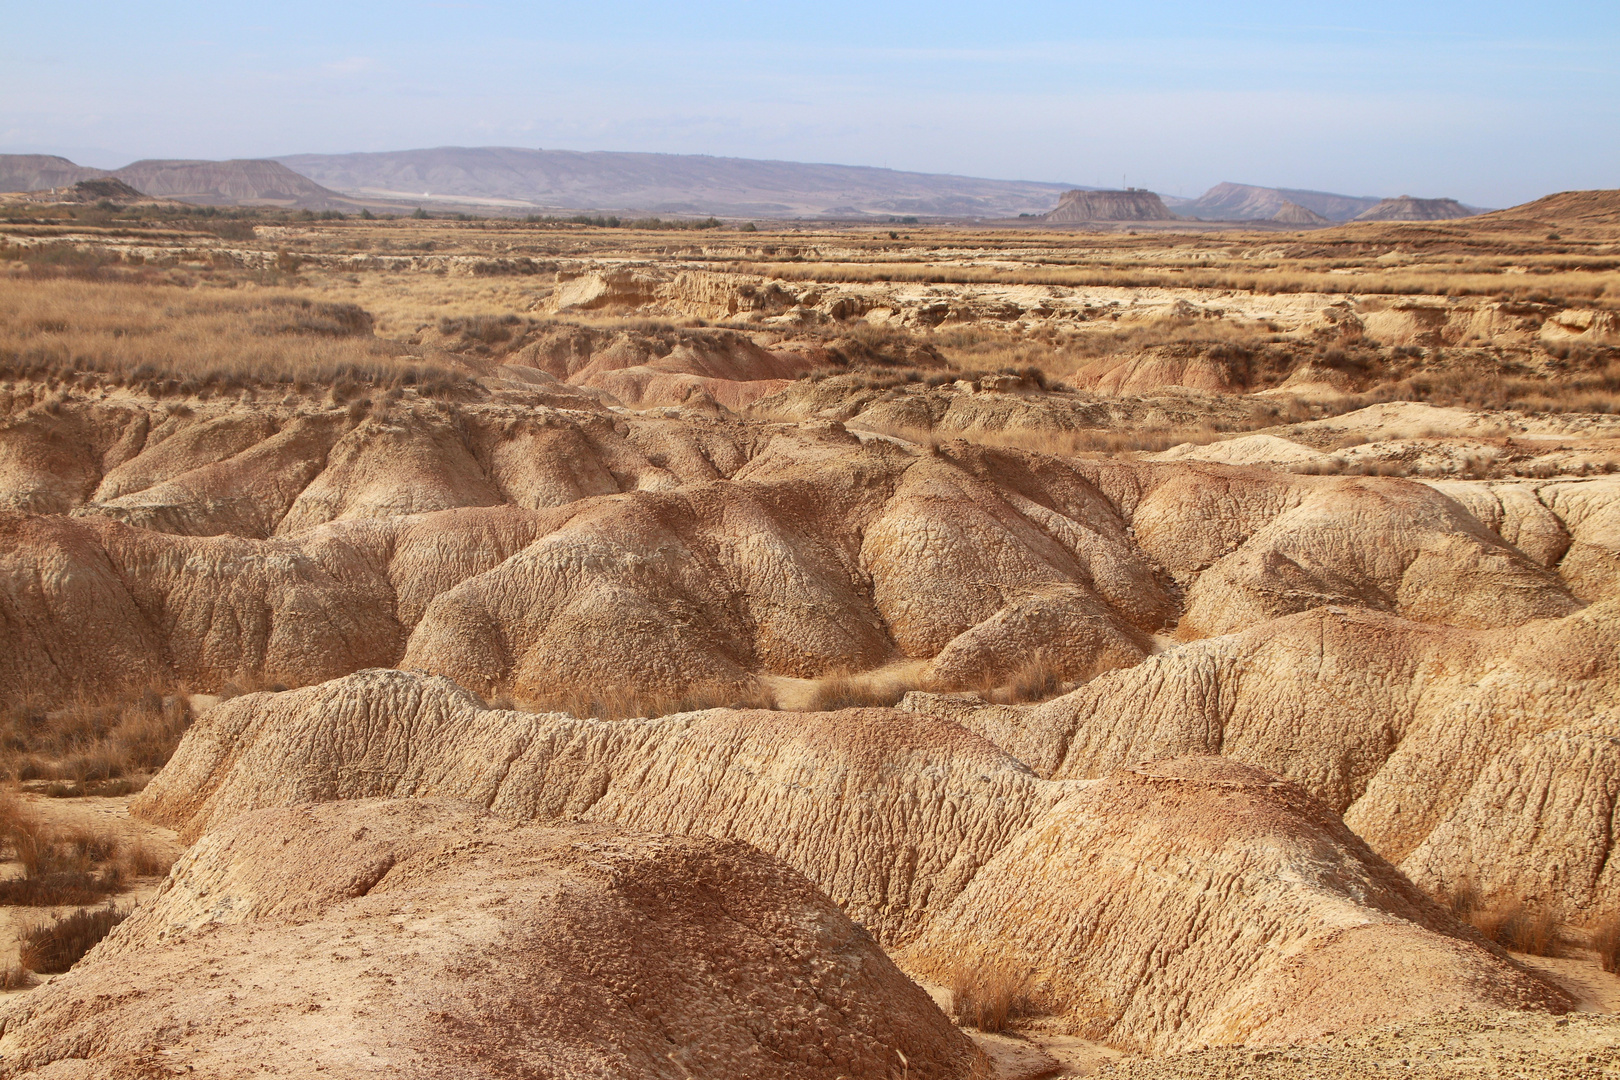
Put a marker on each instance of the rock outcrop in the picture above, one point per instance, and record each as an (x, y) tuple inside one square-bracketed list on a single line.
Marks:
[(1406, 208), (1463, 756), (1198, 901), (940, 843), (426, 939), (1291, 213), (1131, 204)]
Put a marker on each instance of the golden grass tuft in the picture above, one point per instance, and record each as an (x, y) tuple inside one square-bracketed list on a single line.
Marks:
[(986, 996), (1520, 927), (87, 745), (1605, 941)]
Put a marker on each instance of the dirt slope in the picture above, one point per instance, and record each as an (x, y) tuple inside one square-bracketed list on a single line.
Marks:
[(425, 939), (915, 826), (487, 540), (1300, 930), (1463, 756), (935, 801)]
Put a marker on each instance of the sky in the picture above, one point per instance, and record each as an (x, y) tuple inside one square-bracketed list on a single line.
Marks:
[(1491, 103)]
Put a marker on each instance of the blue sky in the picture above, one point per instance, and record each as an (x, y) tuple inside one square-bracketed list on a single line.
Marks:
[(1492, 103)]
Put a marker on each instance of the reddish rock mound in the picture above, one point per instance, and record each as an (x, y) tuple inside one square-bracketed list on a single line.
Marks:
[(425, 939), (1199, 901)]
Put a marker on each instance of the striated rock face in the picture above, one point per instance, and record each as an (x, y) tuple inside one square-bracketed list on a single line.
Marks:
[(1129, 205), (1406, 208), (890, 812), (1298, 929), (531, 550), (1463, 756), (424, 938), (936, 840), (1292, 213)]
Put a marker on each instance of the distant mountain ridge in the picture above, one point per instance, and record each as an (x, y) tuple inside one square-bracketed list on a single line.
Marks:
[(242, 182), (555, 180), (1248, 202), (42, 172)]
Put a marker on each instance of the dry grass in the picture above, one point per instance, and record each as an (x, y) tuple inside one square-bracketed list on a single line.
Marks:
[(67, 866), (1115, 269), (15, 977), (986, 997), (1512, 924), (190, 340), (1605, 941), (1037, 679), (879, 688), (53, 947), (1519, 927), (88, 745)]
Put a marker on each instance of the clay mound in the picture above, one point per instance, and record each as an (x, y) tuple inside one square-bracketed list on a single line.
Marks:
[(1262, 450), (244, 182), (1436, 1048), (1406, 208), (1600, 207), (1460, 755), (898, 817), (1267, 920), (935, 802), (1156, 369), (1291, 213), (427, 939), (489, 542), (1128, 205), (105, 188)]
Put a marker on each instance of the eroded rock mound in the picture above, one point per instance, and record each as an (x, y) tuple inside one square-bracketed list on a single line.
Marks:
[(1131, 204), (919, 830), (1198, 901), (424, 938), (891, 812), (1466, 757)]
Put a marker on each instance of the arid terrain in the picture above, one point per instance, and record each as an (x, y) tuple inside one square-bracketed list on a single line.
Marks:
[(632, 649)]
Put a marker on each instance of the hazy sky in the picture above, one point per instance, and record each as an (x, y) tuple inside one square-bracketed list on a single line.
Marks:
[(1492, 103)]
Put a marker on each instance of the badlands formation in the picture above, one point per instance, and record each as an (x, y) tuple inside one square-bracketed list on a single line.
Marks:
[(615, 653)]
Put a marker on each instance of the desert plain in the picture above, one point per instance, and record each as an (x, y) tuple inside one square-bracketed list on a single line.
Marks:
[(478, 647)]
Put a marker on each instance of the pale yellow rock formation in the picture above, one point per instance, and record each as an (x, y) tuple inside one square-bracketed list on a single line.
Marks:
[(418, 939)]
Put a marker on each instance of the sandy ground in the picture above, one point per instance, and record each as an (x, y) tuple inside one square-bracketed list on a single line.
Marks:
[(1585, 1045), (99, 815)]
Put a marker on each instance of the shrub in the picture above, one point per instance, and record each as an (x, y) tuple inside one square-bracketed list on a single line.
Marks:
[(986, 997), (1518, 927), (53, 947), (1606, 942), (1038, 679), (859, 690)]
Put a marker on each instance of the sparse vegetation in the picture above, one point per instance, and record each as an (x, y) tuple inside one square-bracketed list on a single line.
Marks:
[(1512, 924), (986, 996), (52, 947), (1605, 941), (88, 746)]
